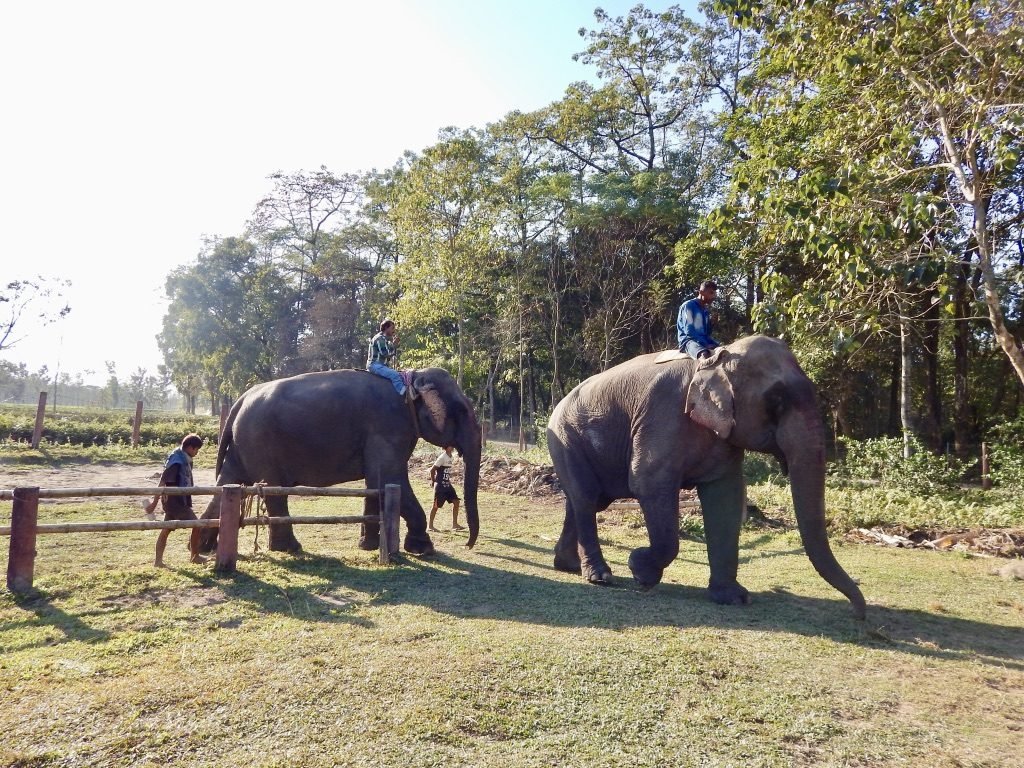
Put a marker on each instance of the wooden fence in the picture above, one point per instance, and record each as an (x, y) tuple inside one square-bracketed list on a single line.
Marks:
[(25, 527)]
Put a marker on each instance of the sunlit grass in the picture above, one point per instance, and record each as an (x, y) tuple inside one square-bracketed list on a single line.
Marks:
[(489, 657)]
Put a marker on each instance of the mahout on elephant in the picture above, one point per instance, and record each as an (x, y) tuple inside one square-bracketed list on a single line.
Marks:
[(645, 429), (329, 427)]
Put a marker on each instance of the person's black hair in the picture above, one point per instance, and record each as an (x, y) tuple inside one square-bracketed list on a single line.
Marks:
[(385, 324), (192, 441)]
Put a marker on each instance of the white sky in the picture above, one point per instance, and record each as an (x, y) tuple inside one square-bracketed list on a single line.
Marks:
[(128, 130)]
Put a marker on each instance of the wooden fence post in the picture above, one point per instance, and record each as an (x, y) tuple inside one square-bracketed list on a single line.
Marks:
[(390, 511), (986, 479), (22, 558), (37, 433), (227, 538), (137, 424)]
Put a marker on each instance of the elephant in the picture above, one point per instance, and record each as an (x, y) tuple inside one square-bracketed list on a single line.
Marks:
[(645, 429), (329, 427)]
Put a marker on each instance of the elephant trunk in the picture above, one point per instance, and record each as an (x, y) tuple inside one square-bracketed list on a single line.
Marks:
[(468, 444), (801, 438)]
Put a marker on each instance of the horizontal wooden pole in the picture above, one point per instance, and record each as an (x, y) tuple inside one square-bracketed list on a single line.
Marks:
[(636, 505), (171, 525), (310, 520), (199, 490)]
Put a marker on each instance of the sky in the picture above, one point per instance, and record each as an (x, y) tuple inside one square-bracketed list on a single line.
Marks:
[(130, 130)]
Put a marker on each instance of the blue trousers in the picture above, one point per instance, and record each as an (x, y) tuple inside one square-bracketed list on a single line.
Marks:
[(694, 349), (390, 374)]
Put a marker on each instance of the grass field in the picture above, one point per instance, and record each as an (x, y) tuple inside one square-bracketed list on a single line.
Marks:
[(489, 657)]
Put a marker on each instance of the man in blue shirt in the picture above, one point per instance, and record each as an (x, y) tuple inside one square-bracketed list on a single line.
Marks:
[(694, 323)]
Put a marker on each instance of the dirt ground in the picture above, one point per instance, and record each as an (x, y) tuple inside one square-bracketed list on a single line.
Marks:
[(89, 476)]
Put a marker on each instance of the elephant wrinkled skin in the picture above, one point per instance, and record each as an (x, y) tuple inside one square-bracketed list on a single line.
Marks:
[(644, 430), (319, 429)]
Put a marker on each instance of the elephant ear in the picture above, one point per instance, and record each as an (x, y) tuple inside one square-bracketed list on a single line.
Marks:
[(436, 409), (709, 398)]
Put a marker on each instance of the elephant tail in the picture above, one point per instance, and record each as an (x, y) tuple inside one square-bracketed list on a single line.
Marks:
[(227, 436)]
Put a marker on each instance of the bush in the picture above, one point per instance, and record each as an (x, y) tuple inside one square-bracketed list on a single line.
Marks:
[(1008, 455), (98, 427), (882, 459)]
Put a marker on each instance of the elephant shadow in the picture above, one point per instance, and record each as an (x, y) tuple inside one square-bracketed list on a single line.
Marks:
[(481, 586)]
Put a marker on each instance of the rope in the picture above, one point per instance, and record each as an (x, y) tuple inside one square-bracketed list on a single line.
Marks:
[(259, 498)]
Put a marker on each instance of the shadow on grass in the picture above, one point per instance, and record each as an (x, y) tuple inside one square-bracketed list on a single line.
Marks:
[(47, 616), (462, 588)]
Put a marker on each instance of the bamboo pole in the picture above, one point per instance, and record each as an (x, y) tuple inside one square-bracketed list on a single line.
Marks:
[(173, 525), (214, 490), (986, 478)]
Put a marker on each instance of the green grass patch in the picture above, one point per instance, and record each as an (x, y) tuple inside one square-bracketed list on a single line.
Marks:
[(490, 658)]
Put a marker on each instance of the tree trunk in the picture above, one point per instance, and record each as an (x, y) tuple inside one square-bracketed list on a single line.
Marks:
[(961, 402), (906, 405), (933, 392)]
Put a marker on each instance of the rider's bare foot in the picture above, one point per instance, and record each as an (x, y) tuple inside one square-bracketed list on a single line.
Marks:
[(199, 559), (435, 530), (457, 527)]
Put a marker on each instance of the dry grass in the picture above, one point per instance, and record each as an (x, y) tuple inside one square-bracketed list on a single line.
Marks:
[(489, 657)]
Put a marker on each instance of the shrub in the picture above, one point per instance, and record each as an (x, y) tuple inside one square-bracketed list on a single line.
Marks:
[(882, 459), (95, 426)]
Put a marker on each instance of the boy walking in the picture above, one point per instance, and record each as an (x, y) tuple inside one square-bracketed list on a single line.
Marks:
[(178, 474), (444, 491)]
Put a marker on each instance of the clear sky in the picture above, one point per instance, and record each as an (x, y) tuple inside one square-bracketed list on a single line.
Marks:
[(130, 129)]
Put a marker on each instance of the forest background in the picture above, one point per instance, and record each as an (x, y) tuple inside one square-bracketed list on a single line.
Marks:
[(848, 173)]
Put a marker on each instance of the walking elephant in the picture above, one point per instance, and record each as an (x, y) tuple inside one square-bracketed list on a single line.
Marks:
[(331, 427), (645, 429)]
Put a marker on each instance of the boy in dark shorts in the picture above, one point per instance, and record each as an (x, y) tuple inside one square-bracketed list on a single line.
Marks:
[(444, 491), (178, 474)]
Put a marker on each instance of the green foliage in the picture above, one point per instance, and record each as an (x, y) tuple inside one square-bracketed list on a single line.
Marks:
[(98, 427), (882, 459)]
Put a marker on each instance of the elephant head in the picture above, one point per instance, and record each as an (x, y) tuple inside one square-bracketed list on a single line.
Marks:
[(753, 394), (446, 417)]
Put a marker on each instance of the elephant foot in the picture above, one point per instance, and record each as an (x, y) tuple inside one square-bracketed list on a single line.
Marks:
[(646, 572), (369, 543), (597, 573), (567, 560), (419, 545), (285, 543), (728, 594)]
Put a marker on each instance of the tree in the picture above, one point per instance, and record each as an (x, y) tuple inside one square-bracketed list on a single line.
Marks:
[(231, 317), (442, 223), (921, 107), (41, 296)]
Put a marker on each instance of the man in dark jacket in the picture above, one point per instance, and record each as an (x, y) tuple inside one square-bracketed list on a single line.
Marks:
[(178, 474)]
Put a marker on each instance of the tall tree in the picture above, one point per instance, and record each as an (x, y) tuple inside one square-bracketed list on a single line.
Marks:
[(443, 223)]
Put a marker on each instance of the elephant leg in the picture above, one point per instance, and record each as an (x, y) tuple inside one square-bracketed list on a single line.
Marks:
[(567, 554), (281, 537), (722, 502), (369, 533), (417, 540), (208, 536), (661, 514), (593, 566)]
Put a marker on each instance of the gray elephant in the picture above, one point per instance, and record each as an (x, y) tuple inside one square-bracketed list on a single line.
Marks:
[(331, 427), (644, 430)]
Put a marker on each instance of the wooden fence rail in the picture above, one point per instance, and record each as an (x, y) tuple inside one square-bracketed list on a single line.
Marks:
[(25, 524)]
